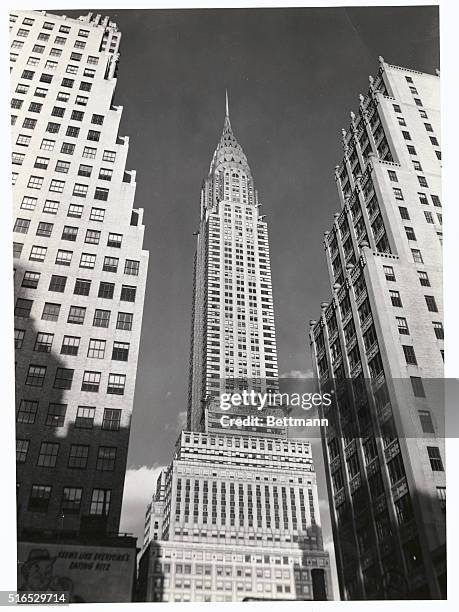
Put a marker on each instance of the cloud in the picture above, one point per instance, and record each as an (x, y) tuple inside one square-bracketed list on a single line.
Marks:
[(297, 374), (139, 485), (178, 424)]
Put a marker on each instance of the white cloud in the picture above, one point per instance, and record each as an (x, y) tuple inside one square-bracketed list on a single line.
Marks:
[(178, 424), (139, 485), (297, 374)]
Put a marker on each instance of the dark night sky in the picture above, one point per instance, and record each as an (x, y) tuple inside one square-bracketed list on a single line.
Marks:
[(293, 76)]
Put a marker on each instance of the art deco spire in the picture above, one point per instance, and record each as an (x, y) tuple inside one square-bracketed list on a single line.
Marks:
[(228, 149)]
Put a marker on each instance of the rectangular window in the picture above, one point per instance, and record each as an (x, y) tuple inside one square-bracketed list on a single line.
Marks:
[(28, 203), (131, 267), (409, 231), (128, 293), (96, 348), (116, 384), (76, 315), (111, 419), (62, 166), (53, 128), (114, 240), (51, 207), (436, 200), (398, 193), (429, 216), (44, 229), (82, 286), (93, 135), (35, 182), (21, 226), (97, 214), (18, 158), (36, 376), (57, 186), (56, 415), (410, 356), (72, 131), (395, 298), (64, 258), (89, 152), (120, 351), (78, 456), (101, 318), (85, 417), (70, 345), (109, 156), (389, 273), (97, 119), (27, 412), (41, 163), (402, 326), (43, 342), (422, 181), (23, 308), (69, 233), (106, 458), (39, 498), (81, 100), (100, 502), (77, 115), (417, 256), (67, 148), (19, 335), (418, 387), (75, 211), (22, 447), (63, 96), (431, 303), (58, 111), (87, 260), (426, 421), (71, 500), (50, 311), (23, 140), (435, 458), (438, 329), (84, 170), (92, 237), (124, 321), (110, 264), (106, 290), (80, 190), (17, 249), (64, 378), (91, 381), (37, 253)]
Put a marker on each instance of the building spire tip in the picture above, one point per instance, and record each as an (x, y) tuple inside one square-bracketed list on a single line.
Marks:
[(227, 105)]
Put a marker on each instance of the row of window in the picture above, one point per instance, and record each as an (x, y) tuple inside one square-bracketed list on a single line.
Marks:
[(71, 345), (78, 455), (92, 60), (69, 232), (82, 286), (42, 92), (55, 416), (51, 207), (49, 25), (40, 496), (63, 379), (76, 314), (407, 137)]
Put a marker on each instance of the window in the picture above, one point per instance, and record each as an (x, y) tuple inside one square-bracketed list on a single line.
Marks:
[(396, 469), (101, 318), (67, 148), (75, 56), (395, 298), (75, 211), (417, 256), (71, 500), (17, 158), (81, 100), (62, 166), (128, 293), (402, 326), (418, 387), (58, 111), (63, 96), (64, 378), (28, 203), (416, 165), (389, 273), (401, 121), (435, 459), (97, 214), (70, 345), (57, 186), (111, 419), (438, 329), (116, 384), (50, 311), (36, 376), (85, 417), (76, 315), (114, 240), (80, 190), (131, 267), (44, 229), (77, 115), (436, 200), (23, 308), (92, 237), (101, 194), (89, 72), (84, 85), (120, 351), (422, 181), (124, 321), (87, 260), (39, 498), (43, 342), (72, 131), (426, 421), (29, 124), (64, 258), (78, 456), (82, 286), (406, 135), (91, 381), (106, 458), (100, 502), (97, 119), (96, 348), (93, 135), (84, 170), (41, 162), (50, 207), (23, 140), (21, 226), (110, 264), (431, 303), (35, 182), (398, 193), (47, 145), (19, 335), (409, 231), (37, 253), (56, 415), (27, 412), (67, 83), (410, 356), (17, 249), (434, 141), (106, 290), (429, 216), (109, 156), (22, 447), (92, 59), (53, 128)]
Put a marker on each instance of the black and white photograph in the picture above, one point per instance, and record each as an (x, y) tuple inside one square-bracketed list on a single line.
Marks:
[(229, 380)]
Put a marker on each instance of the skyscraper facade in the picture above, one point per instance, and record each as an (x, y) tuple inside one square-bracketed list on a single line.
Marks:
[(80, 273), (239, 514), (379, 345)]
